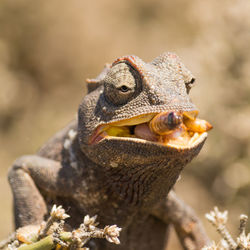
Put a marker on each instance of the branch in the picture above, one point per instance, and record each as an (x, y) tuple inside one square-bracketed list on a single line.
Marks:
[(50, 234), (218, 220)]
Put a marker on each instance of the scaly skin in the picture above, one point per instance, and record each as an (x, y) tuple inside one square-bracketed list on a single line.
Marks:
[(124, 181)]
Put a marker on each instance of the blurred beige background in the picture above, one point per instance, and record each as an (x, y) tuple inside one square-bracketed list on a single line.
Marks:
[(48, 48)]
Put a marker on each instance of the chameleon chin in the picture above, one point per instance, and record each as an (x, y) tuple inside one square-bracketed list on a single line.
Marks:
[(136, 130)]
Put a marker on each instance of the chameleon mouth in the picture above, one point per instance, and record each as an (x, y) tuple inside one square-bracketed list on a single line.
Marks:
[(171, 129)]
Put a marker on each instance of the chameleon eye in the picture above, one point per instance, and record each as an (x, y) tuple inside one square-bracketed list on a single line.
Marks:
[(124, 88), (120, 84)]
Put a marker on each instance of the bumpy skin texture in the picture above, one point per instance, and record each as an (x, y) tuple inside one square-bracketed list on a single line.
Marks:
[(123, 181)]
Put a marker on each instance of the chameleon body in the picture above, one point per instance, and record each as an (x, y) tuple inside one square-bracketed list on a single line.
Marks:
[(98, 165)]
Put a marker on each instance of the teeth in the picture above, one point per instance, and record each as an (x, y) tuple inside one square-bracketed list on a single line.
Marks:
[(118, 131)]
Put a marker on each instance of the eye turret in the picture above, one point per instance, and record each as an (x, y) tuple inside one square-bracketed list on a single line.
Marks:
[(120, 84)]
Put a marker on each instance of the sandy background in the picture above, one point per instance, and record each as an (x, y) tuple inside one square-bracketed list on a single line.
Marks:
[(48, 48)]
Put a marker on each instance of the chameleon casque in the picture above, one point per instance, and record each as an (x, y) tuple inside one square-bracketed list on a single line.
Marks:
[(136, 130)]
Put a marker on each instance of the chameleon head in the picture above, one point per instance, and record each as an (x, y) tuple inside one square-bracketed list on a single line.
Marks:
[(141, 113)]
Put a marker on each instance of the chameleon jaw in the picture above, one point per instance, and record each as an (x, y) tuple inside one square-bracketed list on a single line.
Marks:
[(189, 132)]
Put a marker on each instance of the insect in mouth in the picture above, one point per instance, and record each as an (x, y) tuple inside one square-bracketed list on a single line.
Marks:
[(163, 123)]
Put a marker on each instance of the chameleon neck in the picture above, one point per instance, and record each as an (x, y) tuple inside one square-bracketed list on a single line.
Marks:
[(143, 185)]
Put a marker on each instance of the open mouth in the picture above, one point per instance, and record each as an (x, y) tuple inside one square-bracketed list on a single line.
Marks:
[(172, 129)]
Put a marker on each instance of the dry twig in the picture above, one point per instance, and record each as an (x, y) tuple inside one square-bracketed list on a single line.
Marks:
[(50, 234), (218, 220)]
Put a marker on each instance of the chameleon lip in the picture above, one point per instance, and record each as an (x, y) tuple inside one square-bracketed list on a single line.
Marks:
[(202, 137), (121, 130)]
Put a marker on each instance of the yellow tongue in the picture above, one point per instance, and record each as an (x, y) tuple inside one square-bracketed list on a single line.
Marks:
[(118, 131)]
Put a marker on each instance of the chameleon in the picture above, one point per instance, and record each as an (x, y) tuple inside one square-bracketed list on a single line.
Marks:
[(136, 130)]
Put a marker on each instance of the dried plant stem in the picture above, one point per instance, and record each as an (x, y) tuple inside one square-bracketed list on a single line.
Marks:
[(218, 220), (227, 237), (56, 214), (243, 223), (48, 224), (52, 234)]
